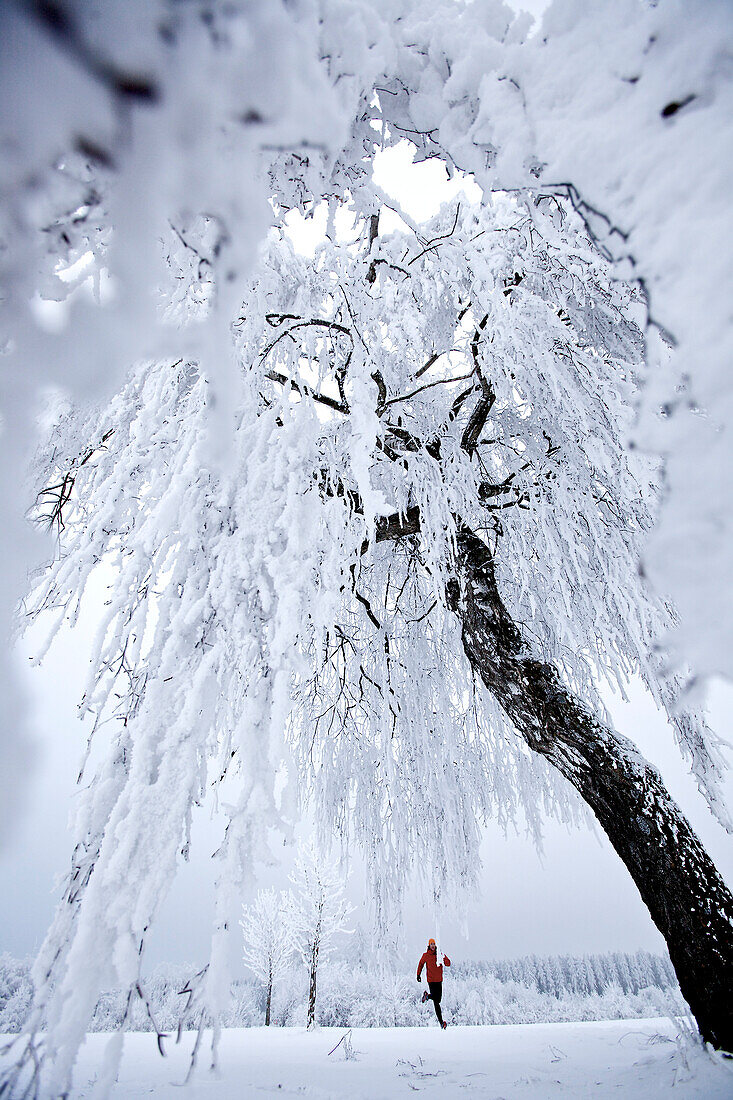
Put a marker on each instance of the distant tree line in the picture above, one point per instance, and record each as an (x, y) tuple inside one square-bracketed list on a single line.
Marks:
[(581, 974), (531, 989)]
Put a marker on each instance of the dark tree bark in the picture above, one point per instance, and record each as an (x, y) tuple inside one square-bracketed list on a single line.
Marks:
[(312, 983), (268, 1003), (688, 900)]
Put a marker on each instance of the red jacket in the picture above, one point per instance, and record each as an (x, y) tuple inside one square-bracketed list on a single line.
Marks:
[(433, 968)]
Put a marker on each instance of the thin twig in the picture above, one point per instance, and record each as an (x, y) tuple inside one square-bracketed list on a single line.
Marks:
[(427, 386), (338, 1044), (436, 240)]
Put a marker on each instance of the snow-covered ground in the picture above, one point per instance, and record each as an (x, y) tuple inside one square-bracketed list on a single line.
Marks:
[(621, 1059)]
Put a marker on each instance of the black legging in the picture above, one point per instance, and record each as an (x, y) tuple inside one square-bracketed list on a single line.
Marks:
[(436, 992)]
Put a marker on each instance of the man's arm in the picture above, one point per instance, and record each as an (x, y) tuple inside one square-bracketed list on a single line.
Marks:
[(420, 965), (446, 960)]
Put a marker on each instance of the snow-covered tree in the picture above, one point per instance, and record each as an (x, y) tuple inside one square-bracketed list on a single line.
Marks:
[(406, 504), (428, 538), (267, 931), (320, 914)]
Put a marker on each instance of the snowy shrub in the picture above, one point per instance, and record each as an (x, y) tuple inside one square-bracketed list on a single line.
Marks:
[(289, 1001), (109, 1011), (338, 997), (248, 1005), (16, 992)]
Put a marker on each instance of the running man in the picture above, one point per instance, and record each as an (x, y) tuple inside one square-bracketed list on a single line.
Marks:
[(434, 971)]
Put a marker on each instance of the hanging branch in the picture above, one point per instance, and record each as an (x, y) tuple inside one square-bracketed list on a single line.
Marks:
[(53, 498), (160, 1035)]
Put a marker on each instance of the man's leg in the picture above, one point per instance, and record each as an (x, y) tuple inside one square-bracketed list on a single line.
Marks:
[(436, 993)]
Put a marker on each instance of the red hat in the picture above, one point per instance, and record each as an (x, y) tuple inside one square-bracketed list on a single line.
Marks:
[(431, 941)]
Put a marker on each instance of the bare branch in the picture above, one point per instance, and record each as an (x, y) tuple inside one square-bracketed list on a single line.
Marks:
[(306, 391), (373, 233), (275, 319), (427, 386), (382, 401), (314, 322), (435, 242), (398, 525), (428, 365)]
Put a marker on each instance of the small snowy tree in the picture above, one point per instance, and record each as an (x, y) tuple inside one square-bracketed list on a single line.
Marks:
[(267, 931), (320, 913)]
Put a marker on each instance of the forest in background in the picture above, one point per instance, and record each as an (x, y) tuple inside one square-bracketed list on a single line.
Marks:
[(531, 989)]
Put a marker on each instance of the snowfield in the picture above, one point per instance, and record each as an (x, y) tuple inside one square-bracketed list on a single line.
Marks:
[(620, 1058)]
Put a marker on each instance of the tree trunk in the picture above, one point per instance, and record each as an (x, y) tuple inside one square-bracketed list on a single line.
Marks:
[(268, 1003), (312, 987), (688, 900)]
